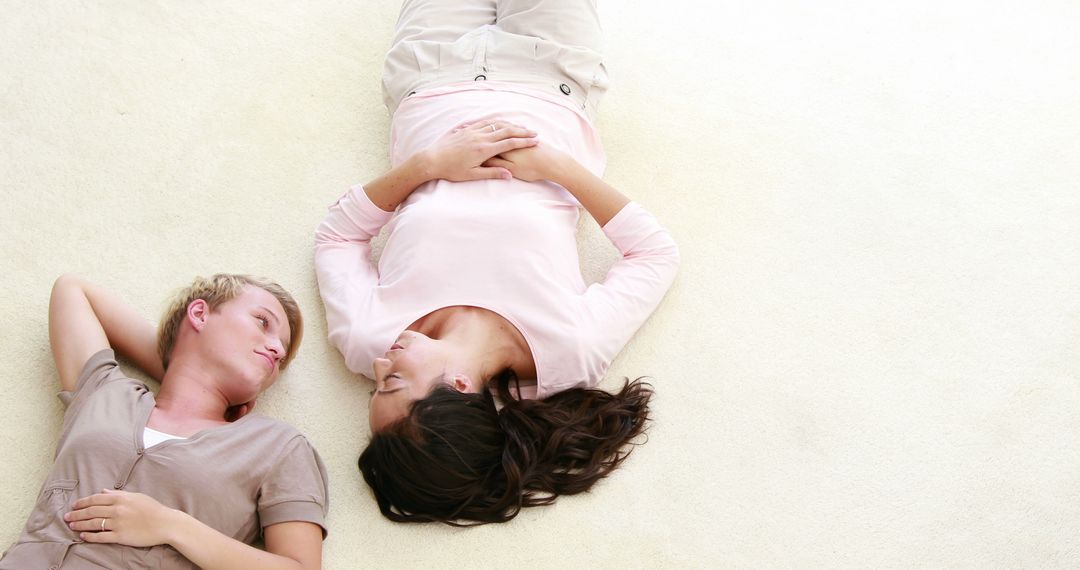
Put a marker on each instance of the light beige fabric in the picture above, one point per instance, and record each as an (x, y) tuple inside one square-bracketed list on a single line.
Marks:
[(553, 45)]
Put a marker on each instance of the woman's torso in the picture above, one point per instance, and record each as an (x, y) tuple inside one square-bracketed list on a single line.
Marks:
[(508, 246)]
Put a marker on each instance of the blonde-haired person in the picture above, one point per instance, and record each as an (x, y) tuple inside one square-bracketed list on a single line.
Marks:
[(189, 477)]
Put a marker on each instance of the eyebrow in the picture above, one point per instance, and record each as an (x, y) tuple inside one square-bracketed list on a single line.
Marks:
[(271, 313)]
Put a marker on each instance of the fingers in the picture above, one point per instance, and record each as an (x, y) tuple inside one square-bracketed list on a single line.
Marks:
[(496, 162), (498, 130), (489, 126), (90, 525), (234, 413), (97, 512), (507, 145), (92, 500), (485, 173), (507, 131), (103, 537)]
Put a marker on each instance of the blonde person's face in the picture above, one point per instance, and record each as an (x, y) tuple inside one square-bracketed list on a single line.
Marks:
[(408, 371), (250, 336)]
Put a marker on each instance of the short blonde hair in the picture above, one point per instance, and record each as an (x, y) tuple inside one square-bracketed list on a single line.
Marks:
[(219, 289)]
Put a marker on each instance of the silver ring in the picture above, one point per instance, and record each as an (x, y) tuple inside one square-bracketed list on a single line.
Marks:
[(492, 125), (102, 525)]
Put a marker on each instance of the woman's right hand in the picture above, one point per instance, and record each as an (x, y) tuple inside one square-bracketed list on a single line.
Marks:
[(540, 162), (460, 154)]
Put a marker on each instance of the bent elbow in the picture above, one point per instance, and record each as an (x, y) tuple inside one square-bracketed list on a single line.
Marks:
[(67, 282)]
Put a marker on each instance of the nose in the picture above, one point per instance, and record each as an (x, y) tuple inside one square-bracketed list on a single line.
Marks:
[(382, 367), (276, 348)]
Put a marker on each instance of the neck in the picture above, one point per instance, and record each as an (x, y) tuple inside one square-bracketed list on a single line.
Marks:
[(486, 342), (189, 394)]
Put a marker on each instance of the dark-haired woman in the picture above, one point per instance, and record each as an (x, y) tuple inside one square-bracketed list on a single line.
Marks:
[(478, 292)]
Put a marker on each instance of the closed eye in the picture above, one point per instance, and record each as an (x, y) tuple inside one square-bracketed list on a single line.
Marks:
[(391, 391), (388, 378)]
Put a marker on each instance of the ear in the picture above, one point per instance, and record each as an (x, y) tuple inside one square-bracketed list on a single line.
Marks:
[(197, 313), (462, 383)]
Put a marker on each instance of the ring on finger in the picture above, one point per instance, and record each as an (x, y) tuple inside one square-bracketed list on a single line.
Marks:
[(102, 525), (492, 125)]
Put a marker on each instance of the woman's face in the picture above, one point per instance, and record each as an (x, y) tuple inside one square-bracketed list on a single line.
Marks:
[(408, 372)]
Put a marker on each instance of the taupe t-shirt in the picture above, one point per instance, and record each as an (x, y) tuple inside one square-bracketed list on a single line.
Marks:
[(237, 478)]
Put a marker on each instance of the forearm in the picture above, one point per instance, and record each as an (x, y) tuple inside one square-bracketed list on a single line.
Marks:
[(211, 550), (599, 198), (458, 155), (391, 189), (80, 312), (129, 333)]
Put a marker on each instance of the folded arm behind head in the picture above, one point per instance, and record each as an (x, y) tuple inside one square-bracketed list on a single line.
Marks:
[(84, 319)]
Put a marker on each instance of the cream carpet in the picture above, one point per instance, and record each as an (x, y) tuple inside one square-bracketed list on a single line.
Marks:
[(870, 357)]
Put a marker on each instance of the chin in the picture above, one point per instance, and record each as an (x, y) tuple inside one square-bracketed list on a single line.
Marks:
[(248, 388)]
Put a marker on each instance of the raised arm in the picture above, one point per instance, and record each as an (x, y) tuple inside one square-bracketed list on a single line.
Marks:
[(84, 319)]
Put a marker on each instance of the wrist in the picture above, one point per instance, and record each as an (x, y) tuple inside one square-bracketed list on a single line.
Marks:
[(563, 169), (175, 525), (424, 166)]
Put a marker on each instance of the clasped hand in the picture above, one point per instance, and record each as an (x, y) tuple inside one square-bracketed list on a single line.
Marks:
[(476, 151)]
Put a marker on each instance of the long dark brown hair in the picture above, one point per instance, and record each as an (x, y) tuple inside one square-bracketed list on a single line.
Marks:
[(457, 459)]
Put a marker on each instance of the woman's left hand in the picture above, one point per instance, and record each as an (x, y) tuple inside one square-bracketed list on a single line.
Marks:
[(459, 155), (132, 519)]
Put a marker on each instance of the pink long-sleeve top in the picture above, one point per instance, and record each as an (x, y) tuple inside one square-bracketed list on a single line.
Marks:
[(505, 246)]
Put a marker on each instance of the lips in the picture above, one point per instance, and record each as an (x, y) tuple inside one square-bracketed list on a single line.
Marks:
[(396, 346), (269, 361)]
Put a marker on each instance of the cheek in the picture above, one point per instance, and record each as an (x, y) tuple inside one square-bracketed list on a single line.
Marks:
[(417, 364), (383, 412), (375, 414)]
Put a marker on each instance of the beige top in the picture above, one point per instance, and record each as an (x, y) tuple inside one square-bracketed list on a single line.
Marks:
[(236, 478)]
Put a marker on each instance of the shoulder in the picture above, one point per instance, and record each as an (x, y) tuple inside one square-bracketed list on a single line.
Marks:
[(294, 483), (267, 429), (100, 370), (273, 441)]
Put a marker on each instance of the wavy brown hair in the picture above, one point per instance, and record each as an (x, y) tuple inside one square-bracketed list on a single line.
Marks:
[(457, 459)]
